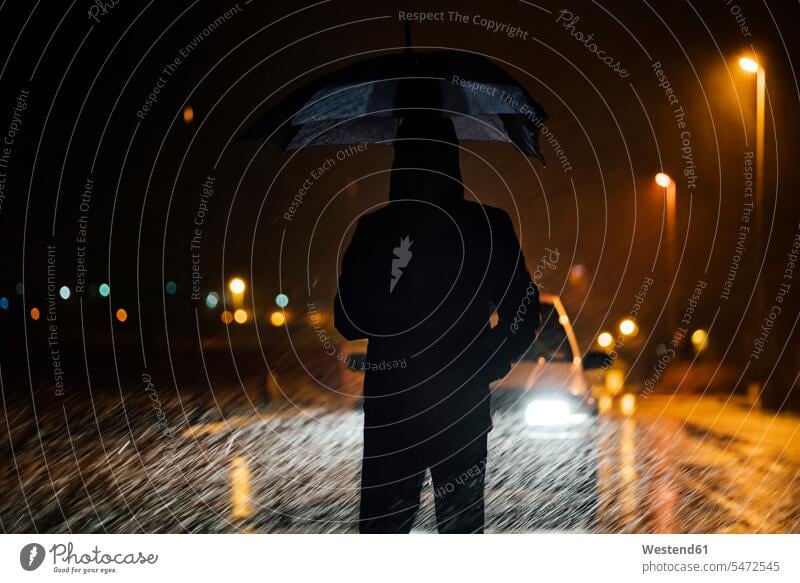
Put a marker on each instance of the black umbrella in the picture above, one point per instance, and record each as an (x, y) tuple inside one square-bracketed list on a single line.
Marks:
[(364, 102)]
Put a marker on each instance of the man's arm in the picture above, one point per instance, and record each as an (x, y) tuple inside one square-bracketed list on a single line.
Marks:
[(350, 288), (517, 299)]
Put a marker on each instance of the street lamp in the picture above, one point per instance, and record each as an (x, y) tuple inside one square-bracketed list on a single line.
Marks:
[(628, 327), (663, 180), (604, 339), (751, 65), (237, 287), (668, 184)]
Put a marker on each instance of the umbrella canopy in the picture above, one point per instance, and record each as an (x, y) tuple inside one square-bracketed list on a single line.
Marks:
[(364, 102)]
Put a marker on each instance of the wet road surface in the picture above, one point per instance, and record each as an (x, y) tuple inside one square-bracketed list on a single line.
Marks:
[(676, 465)]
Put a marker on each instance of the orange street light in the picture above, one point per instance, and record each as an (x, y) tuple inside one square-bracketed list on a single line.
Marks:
[(277, 318), (663, 180), (628, 327), (604, 339), (236, 285), (748, 64), (666, 182), (752, 65)]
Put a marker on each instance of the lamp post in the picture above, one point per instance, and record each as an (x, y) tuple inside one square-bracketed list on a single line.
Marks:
[(670, 195), (751, 65)]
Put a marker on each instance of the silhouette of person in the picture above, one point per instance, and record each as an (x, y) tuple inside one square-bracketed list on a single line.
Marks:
[(420, 280)]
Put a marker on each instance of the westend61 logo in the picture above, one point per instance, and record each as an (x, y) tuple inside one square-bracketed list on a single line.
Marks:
[(66, 560)]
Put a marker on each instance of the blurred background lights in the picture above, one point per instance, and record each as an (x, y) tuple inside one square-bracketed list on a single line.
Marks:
[(282, 300), (212, 299), (226, 317), (663, 180), (577, 274), (236, 285), (122, 315), (35, 313), (20, 288), (64, 292), (171, 287), (614, 381), (277, 318), (188, 114), (627, 404), (628, 327), (748, 64), (699, 340), (604, 339), (4, 303), (240, 316), (104, 289)]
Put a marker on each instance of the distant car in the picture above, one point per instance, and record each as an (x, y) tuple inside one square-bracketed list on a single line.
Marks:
[(550, 380)]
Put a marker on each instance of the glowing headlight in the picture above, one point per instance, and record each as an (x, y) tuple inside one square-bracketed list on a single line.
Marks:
[(552, 412)]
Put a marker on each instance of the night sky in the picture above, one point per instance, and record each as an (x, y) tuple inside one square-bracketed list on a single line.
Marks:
[(103, 179)]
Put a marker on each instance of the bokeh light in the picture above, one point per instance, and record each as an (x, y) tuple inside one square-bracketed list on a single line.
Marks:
[(281, 300), (628, 327), (122, 315), (35, 313), (240, 316), (627, 404), (3, 303), (236, 285), (188, 114), (699, 340), (104, 289), (64, 292), (226, 317), (748, 64), (277, 318), (604, 339), (212, 299), (171, 288), (663, 180)]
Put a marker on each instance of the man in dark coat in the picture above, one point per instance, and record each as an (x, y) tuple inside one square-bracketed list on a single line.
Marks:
[(421, 279)]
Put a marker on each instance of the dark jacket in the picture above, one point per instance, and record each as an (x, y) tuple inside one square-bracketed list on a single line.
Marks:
[(421, 279)]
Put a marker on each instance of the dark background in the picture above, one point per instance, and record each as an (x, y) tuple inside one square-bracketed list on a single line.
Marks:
[(87, 81)]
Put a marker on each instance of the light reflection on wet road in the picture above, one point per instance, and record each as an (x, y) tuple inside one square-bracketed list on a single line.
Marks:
[(682, 466)]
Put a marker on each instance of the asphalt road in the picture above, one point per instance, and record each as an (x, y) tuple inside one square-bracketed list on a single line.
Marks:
[(676, 465)]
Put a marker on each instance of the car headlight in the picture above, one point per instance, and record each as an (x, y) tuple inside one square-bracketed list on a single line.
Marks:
[(552, 412)]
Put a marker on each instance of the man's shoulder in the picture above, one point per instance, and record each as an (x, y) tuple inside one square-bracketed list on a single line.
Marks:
[(374, 217), (469, 209)]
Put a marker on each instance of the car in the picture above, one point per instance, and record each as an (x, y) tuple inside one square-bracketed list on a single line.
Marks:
[(550, 381)]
